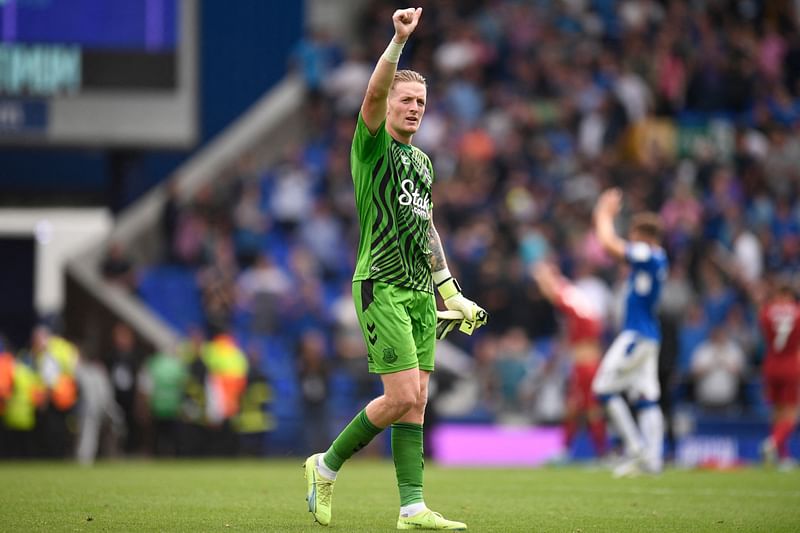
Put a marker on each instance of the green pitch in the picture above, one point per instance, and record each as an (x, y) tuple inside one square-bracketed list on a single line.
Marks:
[(269, 496)]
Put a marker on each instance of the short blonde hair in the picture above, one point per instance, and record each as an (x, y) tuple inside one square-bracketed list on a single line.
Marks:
[(408, 75)]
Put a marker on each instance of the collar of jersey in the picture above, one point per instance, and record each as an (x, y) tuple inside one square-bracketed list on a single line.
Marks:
[(403, 145)]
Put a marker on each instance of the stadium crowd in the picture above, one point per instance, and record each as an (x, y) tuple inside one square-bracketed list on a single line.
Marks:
[(534, 108), (207, 398)]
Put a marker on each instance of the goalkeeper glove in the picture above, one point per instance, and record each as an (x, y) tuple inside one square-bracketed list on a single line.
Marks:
[(446, 321), (472, 315)]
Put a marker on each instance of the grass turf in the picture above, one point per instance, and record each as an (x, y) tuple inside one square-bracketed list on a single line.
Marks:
[(269, 496)]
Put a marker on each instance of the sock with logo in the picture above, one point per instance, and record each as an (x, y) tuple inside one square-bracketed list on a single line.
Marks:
[(358, 433), (408, 461)]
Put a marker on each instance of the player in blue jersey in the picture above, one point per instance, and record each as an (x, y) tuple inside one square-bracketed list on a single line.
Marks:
[(630, 366)]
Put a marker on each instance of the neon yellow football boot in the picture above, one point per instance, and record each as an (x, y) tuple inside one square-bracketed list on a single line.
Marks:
[(428, 519), (319, 491)]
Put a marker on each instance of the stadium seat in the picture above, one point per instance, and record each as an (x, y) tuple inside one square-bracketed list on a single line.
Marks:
[(172, 292)]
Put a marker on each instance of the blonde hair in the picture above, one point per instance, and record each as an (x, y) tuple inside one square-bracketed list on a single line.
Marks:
[(408, 75)]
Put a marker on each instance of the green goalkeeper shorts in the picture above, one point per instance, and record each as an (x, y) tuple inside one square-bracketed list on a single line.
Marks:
[(399, 326)]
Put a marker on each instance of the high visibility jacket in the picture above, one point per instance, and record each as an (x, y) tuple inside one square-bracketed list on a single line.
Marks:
[(227, 377), (168, 376), (27, 394), (56, 365), (253, 416), (6, 377)]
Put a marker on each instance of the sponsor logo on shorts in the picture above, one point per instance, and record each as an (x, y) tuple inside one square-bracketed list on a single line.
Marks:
[(389, 355)]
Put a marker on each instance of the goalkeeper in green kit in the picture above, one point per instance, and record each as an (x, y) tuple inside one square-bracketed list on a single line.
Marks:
[(400, 260)]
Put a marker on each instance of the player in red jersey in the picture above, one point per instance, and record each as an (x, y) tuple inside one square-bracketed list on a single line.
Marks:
[(584, 327), (780, 323)]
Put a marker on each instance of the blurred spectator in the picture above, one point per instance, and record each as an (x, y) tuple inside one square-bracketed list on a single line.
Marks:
[(169, 222), (117, 267), (718, 297), (634, 94), (747, 252), (510, 367), (681, 214), (314, 57), (262, 291), (218, 284), (782, 162), (347, 83), (313, 376), (349, 347), (253, 421), (322, 233), (123, 362), (292, 196), (251, 223), (744, 333), (677, 295), (545, 387), (6, 374), (692, 332), (307, 308), (55, 359), (161, 382), (194, 432), (485, 353), (190, 233), (718, 366), (225, 383), (21, 394), (99, 416)]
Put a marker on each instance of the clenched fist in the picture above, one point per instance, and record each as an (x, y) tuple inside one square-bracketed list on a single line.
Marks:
[(405, 21)]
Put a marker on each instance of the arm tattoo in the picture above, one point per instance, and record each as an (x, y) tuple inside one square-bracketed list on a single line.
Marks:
[(436, 258)]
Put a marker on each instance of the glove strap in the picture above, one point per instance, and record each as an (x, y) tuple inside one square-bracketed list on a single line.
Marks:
[(446, 284)]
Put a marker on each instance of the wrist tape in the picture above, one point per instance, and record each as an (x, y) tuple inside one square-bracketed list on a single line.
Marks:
[(393, 51)]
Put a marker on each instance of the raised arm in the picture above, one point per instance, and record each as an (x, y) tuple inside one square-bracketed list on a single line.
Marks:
[(607, 207), (373, 108), (548, 279)]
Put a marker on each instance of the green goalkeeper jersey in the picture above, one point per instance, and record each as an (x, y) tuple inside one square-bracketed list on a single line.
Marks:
[(393, 196)]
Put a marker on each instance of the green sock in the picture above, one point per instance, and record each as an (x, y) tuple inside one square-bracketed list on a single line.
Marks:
[(408, 461), (358, 433)]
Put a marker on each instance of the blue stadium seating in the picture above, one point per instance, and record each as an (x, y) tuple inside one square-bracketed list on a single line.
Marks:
[(172, 292)]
